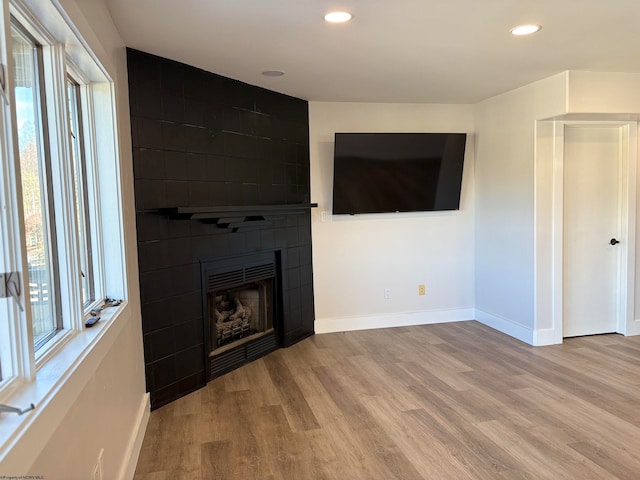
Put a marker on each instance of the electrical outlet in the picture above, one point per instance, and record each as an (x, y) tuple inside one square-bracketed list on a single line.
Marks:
[(422, 289), (387, 293), (325, 216)]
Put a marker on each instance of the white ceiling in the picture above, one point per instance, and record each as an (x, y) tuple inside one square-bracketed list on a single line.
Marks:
[(422, 51)]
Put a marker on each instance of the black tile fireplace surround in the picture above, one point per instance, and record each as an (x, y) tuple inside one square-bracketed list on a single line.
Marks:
[(221, 171)]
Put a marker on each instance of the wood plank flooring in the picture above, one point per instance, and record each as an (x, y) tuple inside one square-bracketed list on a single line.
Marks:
[(449, 401)]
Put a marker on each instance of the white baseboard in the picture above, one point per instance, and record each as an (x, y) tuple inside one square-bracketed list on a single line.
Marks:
[(532, 337), (633, 328), (402, 319), (506, 326), (547, 336), (135, 442)]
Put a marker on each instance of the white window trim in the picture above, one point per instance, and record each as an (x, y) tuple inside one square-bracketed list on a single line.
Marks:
[(17, 362)]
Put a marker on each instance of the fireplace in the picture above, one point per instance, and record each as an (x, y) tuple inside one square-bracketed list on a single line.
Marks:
[(242, 313), (221, 168)]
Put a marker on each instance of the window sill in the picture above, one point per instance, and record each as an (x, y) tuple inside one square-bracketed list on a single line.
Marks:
[(58, 383)]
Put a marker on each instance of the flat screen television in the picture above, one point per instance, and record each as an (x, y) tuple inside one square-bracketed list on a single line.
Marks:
[(397, 172)]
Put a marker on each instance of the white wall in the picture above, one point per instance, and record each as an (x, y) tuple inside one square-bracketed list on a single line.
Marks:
[(356, 257), (517, 144), (603, 93), (108, 415), (593, 97), (511, 182), (505, 223), (103, 405)]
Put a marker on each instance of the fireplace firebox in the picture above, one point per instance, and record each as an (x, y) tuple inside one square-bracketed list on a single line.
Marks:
[(239, 314), (242, 313)]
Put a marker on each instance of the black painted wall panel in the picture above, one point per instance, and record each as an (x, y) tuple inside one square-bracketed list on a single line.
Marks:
[(200, 139)]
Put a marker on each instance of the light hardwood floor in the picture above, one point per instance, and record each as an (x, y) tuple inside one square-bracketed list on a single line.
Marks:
[(450, 401)]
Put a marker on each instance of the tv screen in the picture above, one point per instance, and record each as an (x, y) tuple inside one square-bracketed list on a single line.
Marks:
[(397, 172)]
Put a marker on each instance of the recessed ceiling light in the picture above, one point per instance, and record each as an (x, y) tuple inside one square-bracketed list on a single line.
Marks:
[(273, 73), (338, 17), (526, 29)]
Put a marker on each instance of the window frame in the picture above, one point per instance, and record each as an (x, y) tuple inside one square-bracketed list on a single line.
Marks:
[(44, 158), (20, 359), (79, 156), (13, 358)]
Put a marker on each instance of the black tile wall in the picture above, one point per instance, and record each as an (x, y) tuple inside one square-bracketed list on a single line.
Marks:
[(200, 139)]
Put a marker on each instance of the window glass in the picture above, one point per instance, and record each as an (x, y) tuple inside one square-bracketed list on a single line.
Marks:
[(35, 192), (80, 190)]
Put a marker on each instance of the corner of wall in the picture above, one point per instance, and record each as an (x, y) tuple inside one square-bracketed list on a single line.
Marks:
[(506, 326)]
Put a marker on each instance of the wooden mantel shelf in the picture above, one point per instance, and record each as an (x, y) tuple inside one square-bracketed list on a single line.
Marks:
[(219, 212)]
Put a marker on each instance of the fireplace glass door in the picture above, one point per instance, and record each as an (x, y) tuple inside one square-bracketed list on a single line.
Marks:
[(239, 314)]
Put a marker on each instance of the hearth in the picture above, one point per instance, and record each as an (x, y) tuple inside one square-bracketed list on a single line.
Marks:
[(241, 301)]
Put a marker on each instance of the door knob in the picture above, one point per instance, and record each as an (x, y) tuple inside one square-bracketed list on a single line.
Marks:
[(614, 241)]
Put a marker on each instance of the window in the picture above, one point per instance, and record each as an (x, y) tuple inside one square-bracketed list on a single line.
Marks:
[(35, 173), (60, 202), (80, 197)]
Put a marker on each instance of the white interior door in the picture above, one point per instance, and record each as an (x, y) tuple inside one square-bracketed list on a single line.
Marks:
[(592, 218)]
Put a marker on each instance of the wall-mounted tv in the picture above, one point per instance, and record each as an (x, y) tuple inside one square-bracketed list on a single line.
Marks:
[(397, 172)]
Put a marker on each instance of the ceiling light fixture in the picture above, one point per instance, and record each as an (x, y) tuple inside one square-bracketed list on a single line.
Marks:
[(273, 73), (526, 29), (338, 17)]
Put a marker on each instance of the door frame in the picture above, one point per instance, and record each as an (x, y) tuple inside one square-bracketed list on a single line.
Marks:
[(626, 323)]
